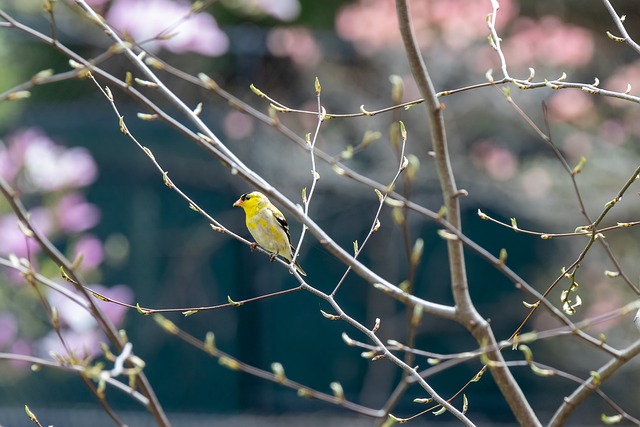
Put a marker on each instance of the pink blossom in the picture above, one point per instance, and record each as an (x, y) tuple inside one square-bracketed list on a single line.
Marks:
[(74, 214), (20, 141), (462, 22), (147, 19), (81, 343), (623, 77), (536, 182), (121, 293), (604, 300), (42, 220), (577, 144), (8, 169), (49, 167), (72, 315), (79, 319), (23, 347), (296, 43), (80, 328), (92, 252), (372, 25), (13, 240), (46, 165), (548, 41), (501, 164), (613, 132), (238, 125), (284, 10), (569, 105), (498, 162), (8, 328), (12, 155)]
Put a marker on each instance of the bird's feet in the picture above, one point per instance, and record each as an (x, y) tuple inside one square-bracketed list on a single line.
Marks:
[(272, 257), (253, 246)]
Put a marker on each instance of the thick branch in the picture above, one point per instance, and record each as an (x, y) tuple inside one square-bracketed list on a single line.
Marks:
[(589, 386), (466, 312)]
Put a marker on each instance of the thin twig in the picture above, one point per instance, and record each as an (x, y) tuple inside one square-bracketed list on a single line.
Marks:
[(618, 21), (78, 369)]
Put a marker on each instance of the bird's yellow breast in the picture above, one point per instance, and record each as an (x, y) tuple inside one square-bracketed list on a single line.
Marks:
[(267, 232)]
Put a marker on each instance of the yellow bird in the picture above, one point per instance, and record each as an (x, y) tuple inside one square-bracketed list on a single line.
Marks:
[(268, 226)]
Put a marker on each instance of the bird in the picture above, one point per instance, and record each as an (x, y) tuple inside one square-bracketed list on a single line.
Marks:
[(268, 226)]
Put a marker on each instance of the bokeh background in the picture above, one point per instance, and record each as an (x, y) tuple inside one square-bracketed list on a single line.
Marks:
[(93, 192)]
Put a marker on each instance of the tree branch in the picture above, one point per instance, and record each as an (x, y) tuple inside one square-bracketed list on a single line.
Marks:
[(106, 325), (467, 315), (590, 385)]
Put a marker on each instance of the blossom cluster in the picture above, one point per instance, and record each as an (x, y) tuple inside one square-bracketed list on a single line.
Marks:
[(51, 180)]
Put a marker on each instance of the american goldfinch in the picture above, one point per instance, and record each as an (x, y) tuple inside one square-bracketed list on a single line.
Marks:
[(267, 225)]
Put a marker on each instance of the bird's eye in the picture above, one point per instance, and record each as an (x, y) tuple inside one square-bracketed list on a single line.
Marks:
[(245, 197)]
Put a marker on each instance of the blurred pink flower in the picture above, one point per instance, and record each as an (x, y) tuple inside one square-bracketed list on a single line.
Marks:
[(51, 167), (92, 252), (20, 140), (12, 155), (373, 24), (284, 10), (569, 105), (121, 293), (81, 320), (8, 168), (81, 343), (463, 22), (370, 24), (613, 132), (621, 79), (71, 315), (548, 41), (577, 144), (147, 19), (74, 214), (79, 326), (238, 125), (536, 182), (42, 220), (603, 300), (8, 329), (296, 43), (46, 165), (24, 347), (13, 240), (499, 163)]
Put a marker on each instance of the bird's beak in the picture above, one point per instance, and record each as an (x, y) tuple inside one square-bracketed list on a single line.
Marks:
[(238, 202)]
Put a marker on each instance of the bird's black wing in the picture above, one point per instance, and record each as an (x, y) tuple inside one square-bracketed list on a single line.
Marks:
[(283, 223)]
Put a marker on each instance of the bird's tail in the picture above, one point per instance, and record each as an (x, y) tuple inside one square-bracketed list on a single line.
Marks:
[(300, 270), (296, 265)]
